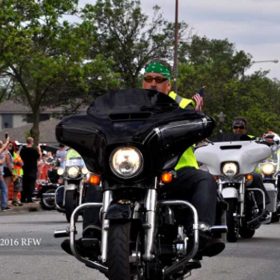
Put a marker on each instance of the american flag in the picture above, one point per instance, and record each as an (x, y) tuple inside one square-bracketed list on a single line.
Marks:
[(198, 101)]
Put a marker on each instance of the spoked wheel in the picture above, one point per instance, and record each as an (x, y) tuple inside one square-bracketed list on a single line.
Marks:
[(232, 234)]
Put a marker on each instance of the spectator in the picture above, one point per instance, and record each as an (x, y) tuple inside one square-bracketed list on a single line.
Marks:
[(3, 187), (17, 175), (8, 165), (49, 157), (61, 155), (30, 156)]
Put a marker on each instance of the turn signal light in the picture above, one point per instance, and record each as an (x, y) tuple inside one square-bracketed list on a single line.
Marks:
[(249, 177), (166, 177), (94, 179)]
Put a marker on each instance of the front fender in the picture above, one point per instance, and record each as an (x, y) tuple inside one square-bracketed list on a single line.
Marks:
[(119, 211), (230, 193), (70, 187)]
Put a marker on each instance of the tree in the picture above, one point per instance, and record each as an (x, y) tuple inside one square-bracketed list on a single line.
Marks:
[(127, 35), (219, 66), (45, 58)]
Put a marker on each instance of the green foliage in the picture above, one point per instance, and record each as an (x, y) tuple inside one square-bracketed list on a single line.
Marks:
[(127, 36), (46, 59), (217, 64)]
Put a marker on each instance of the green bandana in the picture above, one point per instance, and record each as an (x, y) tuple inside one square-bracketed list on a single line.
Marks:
[(157, 67)]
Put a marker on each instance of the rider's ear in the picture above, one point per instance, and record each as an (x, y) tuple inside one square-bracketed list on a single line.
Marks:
[(169, 86)]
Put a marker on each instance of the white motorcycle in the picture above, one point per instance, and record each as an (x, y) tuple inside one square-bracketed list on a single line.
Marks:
[(71, 193), (270, 170), (232, 163)]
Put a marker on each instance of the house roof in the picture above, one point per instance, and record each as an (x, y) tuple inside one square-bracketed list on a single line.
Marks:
[(13, 107), (9, 106), (47, 132)]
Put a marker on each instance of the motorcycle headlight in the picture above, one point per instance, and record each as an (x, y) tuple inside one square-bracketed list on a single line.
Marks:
[(84, 170), (126, 162), (73, 171), (268, 168), (230, 169), (60, 171)]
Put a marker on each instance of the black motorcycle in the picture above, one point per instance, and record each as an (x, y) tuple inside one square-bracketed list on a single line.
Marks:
[(133, 139)]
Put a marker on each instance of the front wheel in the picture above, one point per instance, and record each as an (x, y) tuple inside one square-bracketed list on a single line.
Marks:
[(118, 251), (48, 203), (70, 203), (232, 234), (275, 217), (246, 232)]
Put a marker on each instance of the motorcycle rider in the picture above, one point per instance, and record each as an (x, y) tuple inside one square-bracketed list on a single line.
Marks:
[(239, 127), (191, 184), (273, 139)]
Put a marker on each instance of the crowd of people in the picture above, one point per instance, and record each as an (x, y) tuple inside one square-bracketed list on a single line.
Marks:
[(20, 167)]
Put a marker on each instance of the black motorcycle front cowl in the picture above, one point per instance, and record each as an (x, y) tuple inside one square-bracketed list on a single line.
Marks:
[(147, 119)]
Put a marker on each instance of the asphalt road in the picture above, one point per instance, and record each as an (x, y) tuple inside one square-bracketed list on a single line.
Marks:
[(29, 251)]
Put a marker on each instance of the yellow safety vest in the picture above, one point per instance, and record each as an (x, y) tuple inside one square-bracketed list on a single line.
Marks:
[(71, 153), (17, 169), (187, 159)]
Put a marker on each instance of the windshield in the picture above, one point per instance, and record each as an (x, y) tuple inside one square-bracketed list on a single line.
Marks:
[(74, 162)]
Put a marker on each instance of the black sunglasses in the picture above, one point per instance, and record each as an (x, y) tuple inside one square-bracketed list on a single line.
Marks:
[(158, 80), (238, 127)]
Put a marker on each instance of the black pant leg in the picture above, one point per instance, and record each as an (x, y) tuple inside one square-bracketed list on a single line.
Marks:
[(28, 187), (91, 215), (24, 188), (200, 189)]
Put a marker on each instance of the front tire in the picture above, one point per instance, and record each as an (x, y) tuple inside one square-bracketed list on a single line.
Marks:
[(246, 232), (70, 203), (232, 234), (118, 251), (275, 217), (48, 203)]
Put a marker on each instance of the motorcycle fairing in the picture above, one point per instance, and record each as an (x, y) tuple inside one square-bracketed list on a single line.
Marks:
[(246, 153), (147, 119)]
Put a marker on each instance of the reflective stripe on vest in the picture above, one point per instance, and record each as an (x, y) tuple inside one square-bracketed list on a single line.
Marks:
[(187, 159), (183, 102)]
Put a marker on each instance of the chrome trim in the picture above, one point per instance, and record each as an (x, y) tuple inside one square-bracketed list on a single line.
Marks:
[(150, 206), (242, 197), (107, 198), (72, 230), (81, 191), (181, 263), (261, 191)]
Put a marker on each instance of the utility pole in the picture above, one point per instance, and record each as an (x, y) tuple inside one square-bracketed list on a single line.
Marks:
[(175, 63)]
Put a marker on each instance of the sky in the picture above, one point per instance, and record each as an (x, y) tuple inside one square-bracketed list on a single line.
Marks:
[(251, 25)]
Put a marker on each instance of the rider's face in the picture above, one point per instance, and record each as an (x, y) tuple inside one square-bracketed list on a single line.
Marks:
[(156, 82), (239, 129)]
